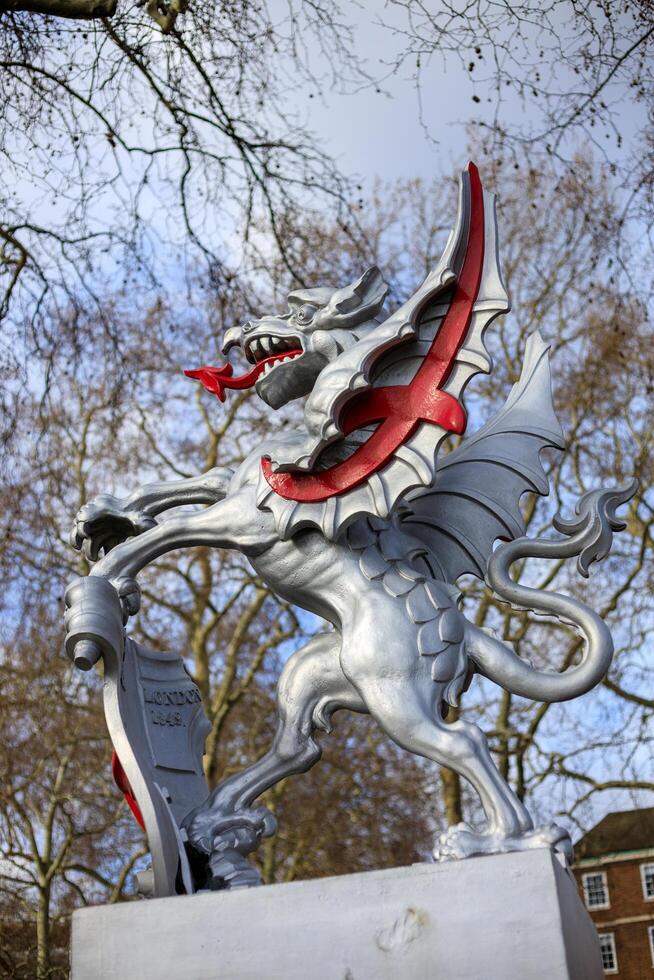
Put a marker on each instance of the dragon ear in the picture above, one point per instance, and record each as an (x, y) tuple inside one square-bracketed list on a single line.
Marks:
[(359, 301)]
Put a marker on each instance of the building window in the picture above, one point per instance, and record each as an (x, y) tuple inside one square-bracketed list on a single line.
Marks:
[(647, 878), (607, 948), (650, 932), (596, 890)]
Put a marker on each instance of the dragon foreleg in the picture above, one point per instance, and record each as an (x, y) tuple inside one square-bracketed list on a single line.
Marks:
[(106, 521), (216, 526)]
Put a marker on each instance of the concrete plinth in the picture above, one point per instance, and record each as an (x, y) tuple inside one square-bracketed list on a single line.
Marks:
[(504, 917)]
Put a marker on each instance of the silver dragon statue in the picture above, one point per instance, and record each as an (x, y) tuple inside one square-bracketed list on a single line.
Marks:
[(354, 517)]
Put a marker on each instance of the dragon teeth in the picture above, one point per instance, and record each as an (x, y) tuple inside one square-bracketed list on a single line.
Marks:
[(279, 359), (259, 347)]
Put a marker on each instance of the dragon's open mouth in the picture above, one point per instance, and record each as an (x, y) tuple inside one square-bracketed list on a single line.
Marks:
[(259, 351)]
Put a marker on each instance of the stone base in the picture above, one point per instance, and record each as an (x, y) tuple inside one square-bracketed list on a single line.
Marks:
[(503, 917)]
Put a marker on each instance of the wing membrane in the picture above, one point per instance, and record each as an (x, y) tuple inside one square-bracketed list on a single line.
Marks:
[(476, 496)]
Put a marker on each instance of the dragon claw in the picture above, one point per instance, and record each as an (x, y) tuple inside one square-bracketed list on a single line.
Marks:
[(104, 522), (129, 593), (226, 839), (461, 841)]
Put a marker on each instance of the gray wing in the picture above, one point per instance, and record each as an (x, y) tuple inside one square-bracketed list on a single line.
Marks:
[(476, 495)]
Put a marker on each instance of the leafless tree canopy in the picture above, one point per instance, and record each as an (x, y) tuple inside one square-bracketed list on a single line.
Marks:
[(128, 146), (583, 73)]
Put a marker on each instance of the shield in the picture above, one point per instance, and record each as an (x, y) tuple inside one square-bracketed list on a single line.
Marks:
[(157, 725)]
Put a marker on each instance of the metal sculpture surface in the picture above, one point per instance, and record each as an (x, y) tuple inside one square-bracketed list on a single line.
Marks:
[(354, 518)]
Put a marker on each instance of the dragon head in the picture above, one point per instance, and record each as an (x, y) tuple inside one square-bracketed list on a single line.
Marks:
[(289, 350)]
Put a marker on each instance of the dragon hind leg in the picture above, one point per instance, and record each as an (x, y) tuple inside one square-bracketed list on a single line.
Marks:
[(412, 718), (227, 827)]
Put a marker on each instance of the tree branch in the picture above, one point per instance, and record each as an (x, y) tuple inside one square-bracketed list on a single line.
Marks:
[(72, 9)]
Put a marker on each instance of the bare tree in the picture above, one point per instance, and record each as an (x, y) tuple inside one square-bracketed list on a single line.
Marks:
[(582, 73), (65, 837), (137, 143)]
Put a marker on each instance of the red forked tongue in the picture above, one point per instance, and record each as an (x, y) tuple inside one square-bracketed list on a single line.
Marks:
[(217, 379)]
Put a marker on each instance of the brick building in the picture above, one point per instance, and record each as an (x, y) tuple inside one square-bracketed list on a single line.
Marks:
[(614, 867)]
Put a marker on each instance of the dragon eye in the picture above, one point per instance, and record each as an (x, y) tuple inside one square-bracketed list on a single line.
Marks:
[(305, 314)]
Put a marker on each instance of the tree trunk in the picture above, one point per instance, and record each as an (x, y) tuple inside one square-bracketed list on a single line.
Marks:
[(451, 786), (269, 860), (43, 934)]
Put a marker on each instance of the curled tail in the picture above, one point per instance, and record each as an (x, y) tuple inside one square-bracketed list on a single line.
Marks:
[(588, 537)]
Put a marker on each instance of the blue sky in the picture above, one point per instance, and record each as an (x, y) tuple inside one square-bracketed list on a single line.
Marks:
[(379, 133)]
